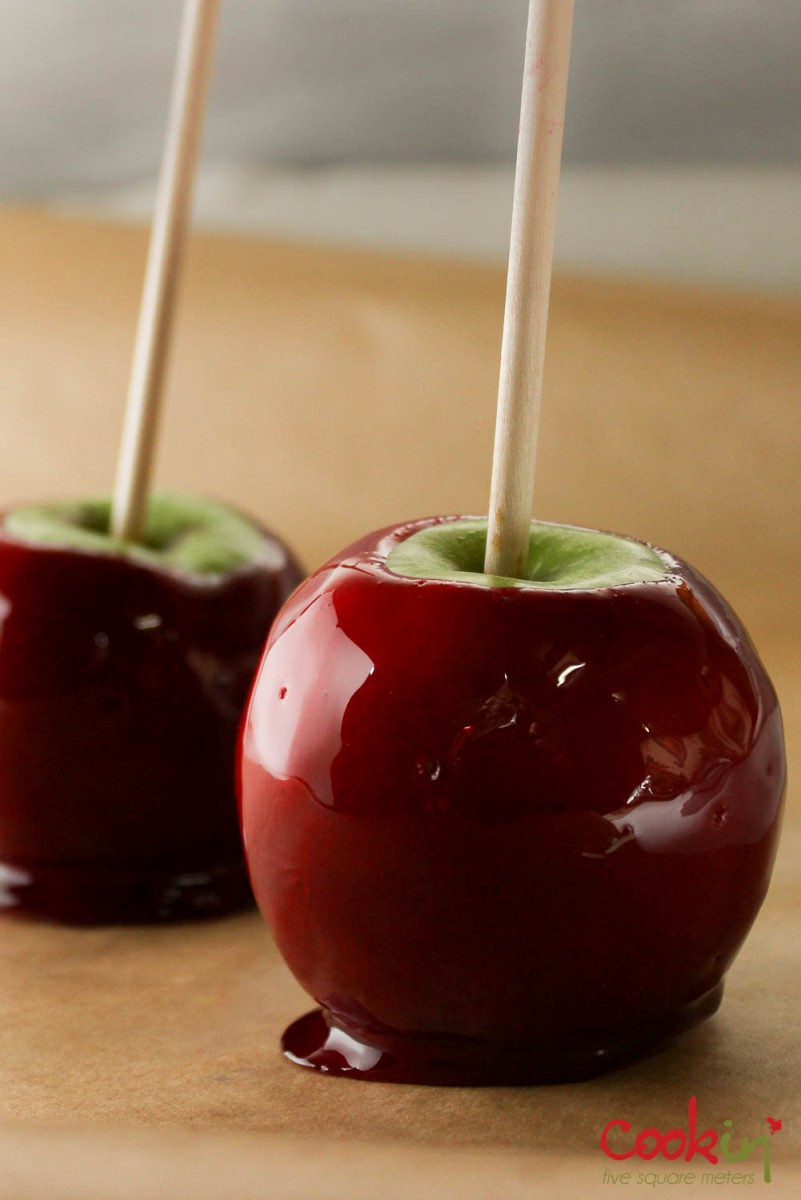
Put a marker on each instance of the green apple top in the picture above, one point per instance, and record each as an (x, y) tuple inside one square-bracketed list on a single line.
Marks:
[(559, 557), (188, 534)]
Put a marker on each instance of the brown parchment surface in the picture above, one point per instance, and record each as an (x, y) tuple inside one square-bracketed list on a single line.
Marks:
[(330, 392)]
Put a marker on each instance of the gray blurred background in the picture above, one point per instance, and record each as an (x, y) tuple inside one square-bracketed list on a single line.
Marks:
[(324, 110)]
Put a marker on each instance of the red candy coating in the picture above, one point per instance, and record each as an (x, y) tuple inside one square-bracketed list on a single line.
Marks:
[(506, 835), (121, 689)]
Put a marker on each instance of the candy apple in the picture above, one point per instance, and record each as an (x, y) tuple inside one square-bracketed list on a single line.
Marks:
[(507, 830), (124, 670)]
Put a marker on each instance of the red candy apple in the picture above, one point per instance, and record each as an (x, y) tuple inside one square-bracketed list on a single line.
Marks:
[(507, 831), (123, 673)]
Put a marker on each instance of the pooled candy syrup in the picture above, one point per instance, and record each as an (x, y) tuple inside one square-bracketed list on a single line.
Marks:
[(314, 1041)]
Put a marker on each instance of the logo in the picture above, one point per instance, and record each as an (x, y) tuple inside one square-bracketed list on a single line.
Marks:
[(710, 1152)]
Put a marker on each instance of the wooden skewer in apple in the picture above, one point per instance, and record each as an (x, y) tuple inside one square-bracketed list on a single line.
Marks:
[(539, 156), (168, 238)]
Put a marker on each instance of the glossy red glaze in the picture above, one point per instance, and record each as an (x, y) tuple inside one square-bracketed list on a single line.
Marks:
[(121, 690), (506, 835)]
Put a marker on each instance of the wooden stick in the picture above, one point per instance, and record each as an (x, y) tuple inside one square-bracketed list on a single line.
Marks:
[(528, 286), (168, 236)]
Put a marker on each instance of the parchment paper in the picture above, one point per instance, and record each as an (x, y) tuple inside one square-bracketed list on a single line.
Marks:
[(331, 392)]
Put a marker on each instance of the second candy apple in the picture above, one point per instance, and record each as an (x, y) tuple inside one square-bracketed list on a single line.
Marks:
[(124, 668)]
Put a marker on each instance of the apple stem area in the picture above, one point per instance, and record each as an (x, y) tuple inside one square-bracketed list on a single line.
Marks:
[(539, 155), (168, 237)]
